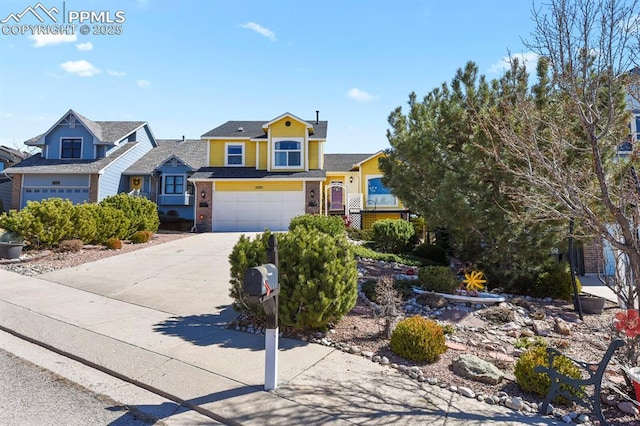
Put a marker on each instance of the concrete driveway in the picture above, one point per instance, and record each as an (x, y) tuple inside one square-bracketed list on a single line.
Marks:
[(189, 276)]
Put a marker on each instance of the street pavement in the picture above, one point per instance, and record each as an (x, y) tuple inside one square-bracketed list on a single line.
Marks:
[(156, 319), (30, 395)]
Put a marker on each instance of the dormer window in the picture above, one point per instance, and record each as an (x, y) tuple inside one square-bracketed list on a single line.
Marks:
[(234, 155), (71, 148), (288, 154)]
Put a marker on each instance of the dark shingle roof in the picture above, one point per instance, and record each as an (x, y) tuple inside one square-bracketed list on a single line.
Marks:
[(253, 130), (342, 162), (192, 152), (38, 165), (252, 173)]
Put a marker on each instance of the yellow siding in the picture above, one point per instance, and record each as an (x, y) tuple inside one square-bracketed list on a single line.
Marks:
[(368, 168), (216, 153), (259, 186), (313, 155), (280, 130), (262, 165), (250, 154)]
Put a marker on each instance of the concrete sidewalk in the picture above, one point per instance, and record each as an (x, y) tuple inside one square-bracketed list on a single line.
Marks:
[(157, 318)]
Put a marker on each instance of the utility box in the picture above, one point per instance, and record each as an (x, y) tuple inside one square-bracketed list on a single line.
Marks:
[(261, 282)]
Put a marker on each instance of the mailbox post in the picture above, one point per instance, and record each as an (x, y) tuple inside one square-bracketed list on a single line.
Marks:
[(262, 286)]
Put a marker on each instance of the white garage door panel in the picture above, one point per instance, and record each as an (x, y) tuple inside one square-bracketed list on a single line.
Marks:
[(254, 211)]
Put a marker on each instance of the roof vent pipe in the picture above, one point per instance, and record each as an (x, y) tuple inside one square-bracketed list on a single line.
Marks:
[(182, 138), (317, 116)]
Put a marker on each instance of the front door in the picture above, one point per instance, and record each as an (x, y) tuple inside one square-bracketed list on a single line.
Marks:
[(336, 197)]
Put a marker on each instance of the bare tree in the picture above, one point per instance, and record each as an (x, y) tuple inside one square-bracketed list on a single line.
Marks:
[(388, 300), (561, 139)]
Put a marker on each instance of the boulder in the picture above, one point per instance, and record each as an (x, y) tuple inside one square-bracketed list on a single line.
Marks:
[(474, 368)]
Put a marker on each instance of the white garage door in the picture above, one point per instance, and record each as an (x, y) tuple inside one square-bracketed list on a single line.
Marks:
[(248, 211)]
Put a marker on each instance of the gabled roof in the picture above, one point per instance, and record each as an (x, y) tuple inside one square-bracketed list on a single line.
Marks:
[(38, 165), (255, 129), (107, 132), (252, 173), (359, 163), (192, 152), (343, 162), (308, 125)]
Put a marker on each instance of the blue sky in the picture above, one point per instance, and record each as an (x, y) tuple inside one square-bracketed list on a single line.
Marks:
[(187, 67)]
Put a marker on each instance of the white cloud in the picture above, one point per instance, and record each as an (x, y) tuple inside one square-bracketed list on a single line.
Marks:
[(80, 68), (6, 115), (42, 40), (264, 32), (116, 73), (530, 60), (85, 46), (360, 95), (143, 83)]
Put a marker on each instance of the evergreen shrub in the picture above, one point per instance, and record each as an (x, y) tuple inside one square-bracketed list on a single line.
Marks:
[(555, 282), (85, 222), (140, 237), (392, 235), (41, 223), (439, 279), (317, 275), (114, 243), (332, 225), (142, 214), (432, 252), (418, 339), (540, 383)]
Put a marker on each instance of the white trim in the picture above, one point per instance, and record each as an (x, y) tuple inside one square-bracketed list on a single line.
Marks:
[(261, 179), (226, 154), (303, 151), (257, 156), (301, 141), (287, 114), (184, 184), (227, 138), (208, 153), (71, 138), (320, 157), (269, 149)]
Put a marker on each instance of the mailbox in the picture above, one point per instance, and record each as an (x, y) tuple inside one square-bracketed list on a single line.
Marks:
[(261, 282)]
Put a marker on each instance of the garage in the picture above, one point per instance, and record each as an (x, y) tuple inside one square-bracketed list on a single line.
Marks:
[(39, 187), (253, 211)]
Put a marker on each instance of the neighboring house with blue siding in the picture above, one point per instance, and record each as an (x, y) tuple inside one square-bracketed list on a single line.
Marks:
[(161, 176), (80, 160)]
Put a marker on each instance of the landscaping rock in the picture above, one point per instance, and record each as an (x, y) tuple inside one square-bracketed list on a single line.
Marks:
[(474, 368), (515, 403), (628, 407), (465, 391), (562, 327), (541, 328)]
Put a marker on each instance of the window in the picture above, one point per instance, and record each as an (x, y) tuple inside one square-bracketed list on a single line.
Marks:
[(71, 148), (174, 184), (235, 155), (288, 154), (379, 195)]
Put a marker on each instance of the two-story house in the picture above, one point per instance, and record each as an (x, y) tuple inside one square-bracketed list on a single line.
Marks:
[(260, 174), (80, 160)]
